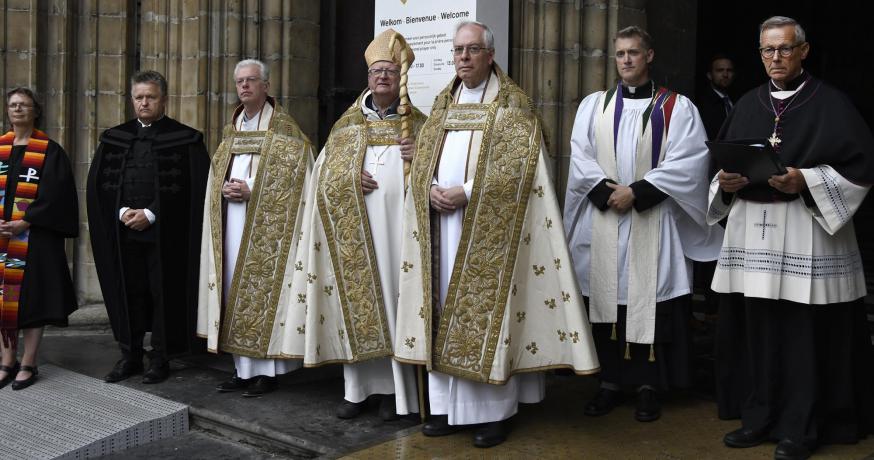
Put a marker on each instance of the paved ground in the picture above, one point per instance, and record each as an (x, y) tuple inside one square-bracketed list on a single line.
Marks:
[(297, 421)]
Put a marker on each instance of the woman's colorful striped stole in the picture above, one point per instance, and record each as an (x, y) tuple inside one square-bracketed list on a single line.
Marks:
[(13, 251)]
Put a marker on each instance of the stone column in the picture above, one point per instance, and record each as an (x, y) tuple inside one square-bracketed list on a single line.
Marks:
[(196, 45), (79, 55), (560, 54), (104, 59)]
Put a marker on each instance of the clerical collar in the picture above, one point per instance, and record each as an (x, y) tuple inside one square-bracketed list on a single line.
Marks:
[(392, 110), (143, 125), (644, 91), (791, 85)]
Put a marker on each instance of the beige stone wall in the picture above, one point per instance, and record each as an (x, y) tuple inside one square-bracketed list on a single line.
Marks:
[(560, 51), (79, 55)]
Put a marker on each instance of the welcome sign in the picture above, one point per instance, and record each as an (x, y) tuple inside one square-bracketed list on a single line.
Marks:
[(428, 27)]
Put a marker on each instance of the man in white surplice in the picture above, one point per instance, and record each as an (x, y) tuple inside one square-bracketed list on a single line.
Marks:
[(793, 351), (634, 217), (510, 308), (252, 221), (346, 277)]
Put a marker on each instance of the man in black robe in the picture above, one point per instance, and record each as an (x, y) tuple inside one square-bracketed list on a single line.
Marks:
[(793, 347), (715, 102), (145, 206)]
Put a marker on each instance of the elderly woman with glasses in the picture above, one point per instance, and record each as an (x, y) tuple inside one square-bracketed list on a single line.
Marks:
[(38, 209)]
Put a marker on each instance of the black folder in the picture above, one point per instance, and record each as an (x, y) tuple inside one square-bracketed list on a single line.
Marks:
[(751, 158)]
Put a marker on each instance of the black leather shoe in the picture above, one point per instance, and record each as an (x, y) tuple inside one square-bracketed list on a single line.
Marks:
[(648, 407), (260, 386), (124, 369), (490, 435), (233, 384), (791, 450), (347, 410), (603, 402), (157, 373), (387, 409), (10, 371), (438, 425), (22, 384), (745, 437)]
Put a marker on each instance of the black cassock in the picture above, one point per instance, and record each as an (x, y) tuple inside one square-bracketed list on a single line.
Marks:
[(47, 295), (173, 160), (802, 371)]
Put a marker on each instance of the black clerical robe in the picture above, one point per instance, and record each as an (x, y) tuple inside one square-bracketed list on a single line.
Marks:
[(179, 164), (712, 109), (800, 370), (47, 295)]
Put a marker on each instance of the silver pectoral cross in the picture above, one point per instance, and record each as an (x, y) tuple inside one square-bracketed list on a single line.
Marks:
[(774, 140)]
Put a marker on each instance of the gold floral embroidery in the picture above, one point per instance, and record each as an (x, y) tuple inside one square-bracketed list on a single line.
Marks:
[(557, 263), (562, 335), (422, 312), (539, 191), (317, 245), (548, 222), (575, 336), (342, 334), (301, 298), (410, 342), (312, 277), (470, 324), (211, 286), (406, 266), (298, 266), (527, 239), (507, 340), (266, 244), (328, 290), (343, 215), (520, 316), (514, 289), (302, 329), (550, 303), (416, 235), (321, 319), (565, 297), (538, 270)]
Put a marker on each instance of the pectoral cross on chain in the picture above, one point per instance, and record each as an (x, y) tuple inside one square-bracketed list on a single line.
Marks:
[(377, 162), (774, 140), (764, 224)]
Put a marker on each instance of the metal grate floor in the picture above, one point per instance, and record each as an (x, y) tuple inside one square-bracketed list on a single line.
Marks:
[(69, 415)]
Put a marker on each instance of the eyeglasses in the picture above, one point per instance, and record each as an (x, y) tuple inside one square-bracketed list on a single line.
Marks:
[(383, 72), (472, 49), (249, 80), (785, 51), (19, 105)]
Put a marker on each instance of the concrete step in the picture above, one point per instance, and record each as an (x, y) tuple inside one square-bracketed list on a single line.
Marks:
[(69, 415)]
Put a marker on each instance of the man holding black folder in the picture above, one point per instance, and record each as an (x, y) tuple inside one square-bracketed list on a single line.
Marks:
[(634, 217), (793, 349)]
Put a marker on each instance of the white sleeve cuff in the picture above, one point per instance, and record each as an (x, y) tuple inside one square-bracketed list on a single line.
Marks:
[(122, 211), (468, 188), (149, 215)]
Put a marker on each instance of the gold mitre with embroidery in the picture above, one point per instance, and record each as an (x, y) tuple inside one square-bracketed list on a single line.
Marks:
[(389, 46)]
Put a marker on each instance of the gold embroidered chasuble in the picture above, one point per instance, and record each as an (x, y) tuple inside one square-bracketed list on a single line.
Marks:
[(338, 313), (513, 304), (245, 322)]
